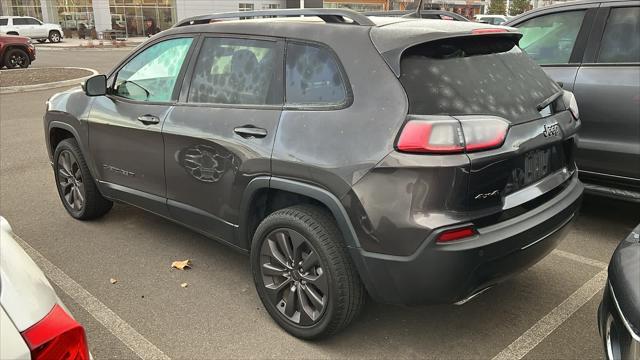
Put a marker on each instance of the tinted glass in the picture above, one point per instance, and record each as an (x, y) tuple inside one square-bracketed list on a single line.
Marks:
[(152, 74), (621, 38), (4, 22), (549, 39), (313, 76), (32, 21), (19, 21), (236, 71), (474, 76)]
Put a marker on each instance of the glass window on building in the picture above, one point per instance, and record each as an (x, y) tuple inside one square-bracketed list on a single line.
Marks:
[(75, 14), (141, 17), (25, 8)]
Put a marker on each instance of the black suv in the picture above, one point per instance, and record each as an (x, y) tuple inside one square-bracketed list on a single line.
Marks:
[(417, 160)]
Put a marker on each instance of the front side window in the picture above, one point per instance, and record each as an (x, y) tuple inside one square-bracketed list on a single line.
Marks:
[(313, 77), (620, 41), (32, 21), (549, 39), (152, 74), (236, 71)]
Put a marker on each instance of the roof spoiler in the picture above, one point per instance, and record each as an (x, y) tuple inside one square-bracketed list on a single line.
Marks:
[(335, 16)]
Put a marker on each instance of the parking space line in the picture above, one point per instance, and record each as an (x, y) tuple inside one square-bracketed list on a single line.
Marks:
[(580, 259), (545, 326), (110, 320)]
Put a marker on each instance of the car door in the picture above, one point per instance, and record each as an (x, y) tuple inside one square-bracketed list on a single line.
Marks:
[(555, 39), (22, 26), (125, 136), (607, 89), (37, 30), (220, 135)]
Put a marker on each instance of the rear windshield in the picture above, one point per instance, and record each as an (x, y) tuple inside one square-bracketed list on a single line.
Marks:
[(474, 75)]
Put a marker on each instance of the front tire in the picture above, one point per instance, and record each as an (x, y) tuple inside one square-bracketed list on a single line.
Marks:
[(303, 273), (16, 59), (54, 36), (76, 186)]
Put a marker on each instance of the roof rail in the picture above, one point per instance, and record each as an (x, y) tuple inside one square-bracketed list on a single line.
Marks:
[(328, 15)]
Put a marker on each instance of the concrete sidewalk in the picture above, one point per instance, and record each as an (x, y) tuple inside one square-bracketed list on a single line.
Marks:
[(89, 43)]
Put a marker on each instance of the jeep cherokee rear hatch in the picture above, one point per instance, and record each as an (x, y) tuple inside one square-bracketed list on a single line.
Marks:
[(477, 93)]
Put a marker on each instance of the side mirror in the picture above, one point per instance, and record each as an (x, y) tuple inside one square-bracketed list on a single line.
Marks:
[(95, 85)]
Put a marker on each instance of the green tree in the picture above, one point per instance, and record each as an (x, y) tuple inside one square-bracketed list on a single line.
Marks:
[(498, 7), (517, 7)]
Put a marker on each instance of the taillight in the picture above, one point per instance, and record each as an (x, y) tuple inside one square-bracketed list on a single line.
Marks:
[(488, 31), (571, 104), (57, 336), (456, 234), (440, 136), (452, 136)]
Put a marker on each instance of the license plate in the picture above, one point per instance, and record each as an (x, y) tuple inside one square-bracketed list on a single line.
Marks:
[(537, 165)]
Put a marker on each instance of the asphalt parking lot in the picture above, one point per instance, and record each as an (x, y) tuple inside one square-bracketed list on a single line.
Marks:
[(546, 312)]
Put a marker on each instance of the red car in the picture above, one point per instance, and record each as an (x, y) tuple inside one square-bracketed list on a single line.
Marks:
[(16, 51)]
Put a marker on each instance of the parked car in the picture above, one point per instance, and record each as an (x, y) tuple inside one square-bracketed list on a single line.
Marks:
[(619, 311), (30, 27), (34, 322), (430, 189), (424, 14), (593, 49), (16, 52), (492, 19)]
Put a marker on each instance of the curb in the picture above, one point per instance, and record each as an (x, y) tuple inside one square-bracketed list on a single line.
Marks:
[(49, 85)]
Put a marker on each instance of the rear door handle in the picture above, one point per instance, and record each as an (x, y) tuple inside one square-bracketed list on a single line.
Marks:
[(148, 119), (248, 131)]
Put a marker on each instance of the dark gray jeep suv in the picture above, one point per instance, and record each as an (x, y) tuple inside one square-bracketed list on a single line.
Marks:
[(417, 160)]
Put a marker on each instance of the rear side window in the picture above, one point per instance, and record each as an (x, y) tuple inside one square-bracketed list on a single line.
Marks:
[(4, 22), (474, 75), (19, 21), (549, 39), (621, 39), (237, 71), (313, 77)]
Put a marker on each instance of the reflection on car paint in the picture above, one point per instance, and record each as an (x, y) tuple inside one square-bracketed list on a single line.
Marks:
[(207, 163)]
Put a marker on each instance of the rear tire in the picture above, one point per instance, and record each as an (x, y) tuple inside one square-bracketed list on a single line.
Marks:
[(303, 273), (16, 59), (76, 187), (54, 36)]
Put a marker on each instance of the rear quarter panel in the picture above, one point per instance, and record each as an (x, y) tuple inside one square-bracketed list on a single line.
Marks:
[(335, 148)]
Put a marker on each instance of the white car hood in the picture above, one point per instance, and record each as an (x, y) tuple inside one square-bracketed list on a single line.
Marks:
[(25, 293)]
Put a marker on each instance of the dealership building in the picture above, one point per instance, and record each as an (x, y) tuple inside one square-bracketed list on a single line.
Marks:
[(128, 16)]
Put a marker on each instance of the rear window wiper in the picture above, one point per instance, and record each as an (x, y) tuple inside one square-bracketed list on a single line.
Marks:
[(549, 100)]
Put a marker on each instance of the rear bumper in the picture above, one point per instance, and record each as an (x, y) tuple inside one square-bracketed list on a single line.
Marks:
[(448, 273)]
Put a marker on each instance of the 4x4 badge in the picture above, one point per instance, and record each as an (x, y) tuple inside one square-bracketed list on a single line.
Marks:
[(552, 129)]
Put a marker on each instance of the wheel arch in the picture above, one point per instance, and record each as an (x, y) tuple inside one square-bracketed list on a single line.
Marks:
[(59, 131), (266, 194)]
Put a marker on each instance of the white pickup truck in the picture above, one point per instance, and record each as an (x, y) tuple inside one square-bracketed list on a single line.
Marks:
[(30, 27)]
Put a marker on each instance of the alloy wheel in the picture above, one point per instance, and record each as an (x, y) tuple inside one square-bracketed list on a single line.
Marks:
[(55, 37), (17, 60), (293, 276), (70, 180)]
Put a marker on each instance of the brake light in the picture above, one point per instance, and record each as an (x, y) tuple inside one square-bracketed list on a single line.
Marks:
[(431, 137), (57, 336), (571, 104), (456, 234), (488, 31), (452, 136)]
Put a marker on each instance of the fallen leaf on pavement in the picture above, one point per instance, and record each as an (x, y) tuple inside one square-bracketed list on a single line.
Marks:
[(181, 265), (113, 281), (184, 285)]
